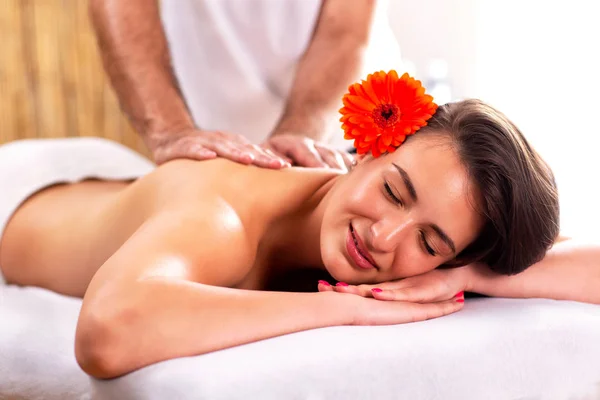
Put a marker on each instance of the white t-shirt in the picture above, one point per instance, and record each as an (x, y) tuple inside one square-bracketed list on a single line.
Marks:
[(235, 60)]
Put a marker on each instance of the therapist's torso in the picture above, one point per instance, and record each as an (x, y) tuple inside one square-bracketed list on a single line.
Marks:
[(235, 60)]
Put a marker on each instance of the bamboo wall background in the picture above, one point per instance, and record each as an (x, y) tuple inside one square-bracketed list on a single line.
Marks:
[(52, 83)]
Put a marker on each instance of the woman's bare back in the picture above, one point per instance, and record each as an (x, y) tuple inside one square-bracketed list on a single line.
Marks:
[(61, 236)]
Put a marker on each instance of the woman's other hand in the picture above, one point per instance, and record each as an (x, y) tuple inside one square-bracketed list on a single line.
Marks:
[(433, 286), (370, 311)]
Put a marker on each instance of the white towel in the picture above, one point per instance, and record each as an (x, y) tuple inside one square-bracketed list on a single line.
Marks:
[(27, 166)]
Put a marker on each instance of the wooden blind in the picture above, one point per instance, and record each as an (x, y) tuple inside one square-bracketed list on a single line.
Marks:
[(52, 83)]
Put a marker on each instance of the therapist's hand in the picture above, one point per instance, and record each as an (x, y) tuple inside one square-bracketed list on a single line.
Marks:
[(304, 152), (204, 145)]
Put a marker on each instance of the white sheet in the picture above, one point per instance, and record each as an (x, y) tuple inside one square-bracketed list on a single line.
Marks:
[(492, 349), (37, 336)]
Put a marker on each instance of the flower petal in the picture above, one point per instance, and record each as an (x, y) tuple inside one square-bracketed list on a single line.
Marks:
[(360, 102), (370, 92), (381, 110), (386, 138)]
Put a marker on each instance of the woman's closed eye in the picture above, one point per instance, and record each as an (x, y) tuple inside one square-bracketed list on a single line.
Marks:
[(397, 200), (390, 194), (426, 245)]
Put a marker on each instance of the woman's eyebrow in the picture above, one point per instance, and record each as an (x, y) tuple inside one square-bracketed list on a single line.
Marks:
[(409, 185)]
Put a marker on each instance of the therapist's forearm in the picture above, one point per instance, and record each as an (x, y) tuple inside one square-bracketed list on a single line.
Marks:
[(136, 58), (570, 271), (332, 61)]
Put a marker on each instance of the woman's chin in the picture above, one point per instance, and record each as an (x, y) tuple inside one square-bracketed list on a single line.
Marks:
[(337, 265), (341, 271)]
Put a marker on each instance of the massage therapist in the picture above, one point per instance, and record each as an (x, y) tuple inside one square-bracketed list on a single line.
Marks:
[(257, 82)]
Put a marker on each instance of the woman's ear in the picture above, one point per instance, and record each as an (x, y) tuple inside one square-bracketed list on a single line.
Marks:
[(358, 158)]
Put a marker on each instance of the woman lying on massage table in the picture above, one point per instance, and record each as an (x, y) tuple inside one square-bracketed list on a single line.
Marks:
[(191, 258)]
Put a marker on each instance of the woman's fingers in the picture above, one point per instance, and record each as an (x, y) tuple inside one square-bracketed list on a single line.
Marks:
[(373, 312), (394, 291), (417, 294), (325, 286), (342, 287), (422, 312), (364, 290)]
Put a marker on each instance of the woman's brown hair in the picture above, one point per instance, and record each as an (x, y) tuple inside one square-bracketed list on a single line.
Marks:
[(517, 191)]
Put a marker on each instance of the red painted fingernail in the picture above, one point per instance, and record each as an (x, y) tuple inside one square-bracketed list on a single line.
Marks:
[(324, 283), (460, 300), (459, 294), (341, 284), (376, 290)]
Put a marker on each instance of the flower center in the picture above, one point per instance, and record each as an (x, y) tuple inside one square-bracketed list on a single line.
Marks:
[(386, 115)]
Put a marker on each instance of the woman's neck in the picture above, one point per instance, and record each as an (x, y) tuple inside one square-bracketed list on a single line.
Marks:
[(293, 241)]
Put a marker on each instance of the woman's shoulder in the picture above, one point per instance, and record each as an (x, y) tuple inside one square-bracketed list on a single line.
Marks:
[(241, 185), (204, 206), (254, 195)]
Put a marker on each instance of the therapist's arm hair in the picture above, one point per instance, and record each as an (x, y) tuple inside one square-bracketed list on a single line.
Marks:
[(331, 62), (136, 57)]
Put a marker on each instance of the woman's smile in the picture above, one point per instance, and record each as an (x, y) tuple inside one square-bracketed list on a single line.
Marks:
[(357, 251)]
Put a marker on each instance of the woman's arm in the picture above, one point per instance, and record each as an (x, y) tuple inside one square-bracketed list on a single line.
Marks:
[(569, 271), (146, 304), (164, 295)]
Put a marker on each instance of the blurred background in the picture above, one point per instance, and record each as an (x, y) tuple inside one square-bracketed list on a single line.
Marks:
[(538, 62), (51, 77), (535, 60)]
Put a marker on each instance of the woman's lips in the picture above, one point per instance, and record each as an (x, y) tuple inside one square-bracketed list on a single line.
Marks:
[(356, 250)]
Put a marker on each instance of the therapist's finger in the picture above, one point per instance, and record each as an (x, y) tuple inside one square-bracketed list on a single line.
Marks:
[(194, 151), (349, 159), (273, 152), (305, 154), (331, 157), (235, 153), (186, 147), (264, 159)]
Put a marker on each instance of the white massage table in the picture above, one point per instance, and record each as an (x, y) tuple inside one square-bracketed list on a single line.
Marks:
[(492, 349)]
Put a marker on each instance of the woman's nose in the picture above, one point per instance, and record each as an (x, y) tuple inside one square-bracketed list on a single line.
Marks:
[(387, 233)]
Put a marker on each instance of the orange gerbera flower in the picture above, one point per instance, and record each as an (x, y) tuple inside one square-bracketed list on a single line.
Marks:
[(380, 112)]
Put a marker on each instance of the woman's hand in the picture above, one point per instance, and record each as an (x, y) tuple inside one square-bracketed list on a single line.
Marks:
[(433, 286), (370, 311)]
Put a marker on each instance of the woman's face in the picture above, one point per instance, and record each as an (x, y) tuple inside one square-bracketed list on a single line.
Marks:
[(399, 215)]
